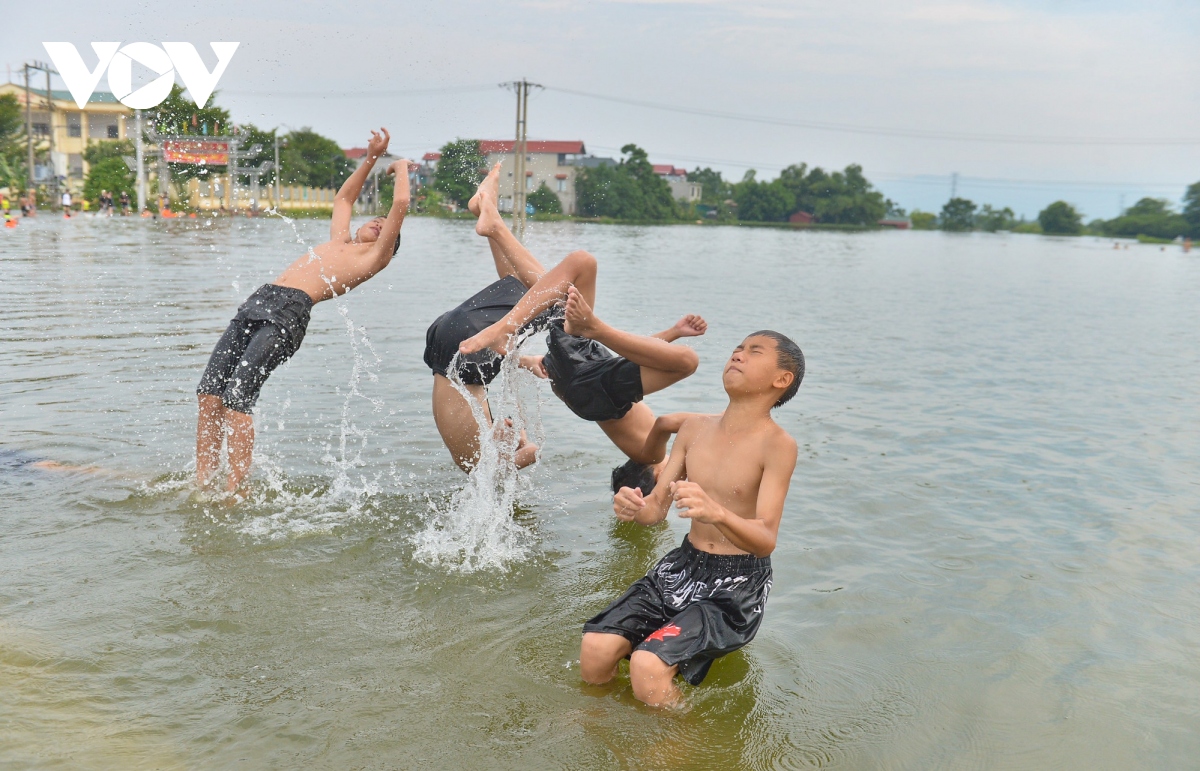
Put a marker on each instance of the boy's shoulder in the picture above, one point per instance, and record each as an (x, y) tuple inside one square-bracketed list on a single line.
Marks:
[(696, 424)]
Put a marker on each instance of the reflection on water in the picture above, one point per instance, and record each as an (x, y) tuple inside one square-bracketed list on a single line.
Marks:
[(988, 558)]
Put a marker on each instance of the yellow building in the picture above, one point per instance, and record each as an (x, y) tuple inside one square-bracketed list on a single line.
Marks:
[(66, 130)]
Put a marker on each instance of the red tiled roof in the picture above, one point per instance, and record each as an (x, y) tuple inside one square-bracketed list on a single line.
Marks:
[(667, 170), (534, 146), (354, 153), (431, 157)]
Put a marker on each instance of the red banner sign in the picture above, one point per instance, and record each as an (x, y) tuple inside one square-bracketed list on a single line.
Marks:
[(214, 152)]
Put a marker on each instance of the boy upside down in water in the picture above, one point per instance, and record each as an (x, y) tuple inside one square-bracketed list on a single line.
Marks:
[(729, 474), (270, 324), (596, 385)]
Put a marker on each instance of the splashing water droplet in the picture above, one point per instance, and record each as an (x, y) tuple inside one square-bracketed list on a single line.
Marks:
[(475, 530)]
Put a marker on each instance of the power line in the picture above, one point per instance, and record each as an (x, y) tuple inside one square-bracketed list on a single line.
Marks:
[(885, 131), (445, 90)]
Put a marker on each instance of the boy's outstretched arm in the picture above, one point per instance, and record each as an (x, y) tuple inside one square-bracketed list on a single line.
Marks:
[(630, 506), (756, 535), (395, 218), (343, 202), (665, 426)]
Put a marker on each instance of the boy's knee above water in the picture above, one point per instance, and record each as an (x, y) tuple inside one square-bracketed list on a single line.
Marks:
[(652, 680)]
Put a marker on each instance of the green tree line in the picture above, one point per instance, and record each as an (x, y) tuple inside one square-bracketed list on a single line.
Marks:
[(1155, 217)]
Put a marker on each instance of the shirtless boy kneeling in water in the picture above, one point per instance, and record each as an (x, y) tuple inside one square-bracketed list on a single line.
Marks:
[(270, 325), (705, 599)]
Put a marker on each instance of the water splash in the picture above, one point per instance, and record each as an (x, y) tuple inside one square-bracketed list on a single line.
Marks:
[(348, 494), (475, 529)]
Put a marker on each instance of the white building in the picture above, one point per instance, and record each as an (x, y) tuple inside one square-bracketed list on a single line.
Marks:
[(551, 162), (681, 189)]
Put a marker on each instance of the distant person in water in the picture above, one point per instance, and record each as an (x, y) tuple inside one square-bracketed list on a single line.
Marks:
[(19, 460), (729, 474), (270, 325), (596, 385)]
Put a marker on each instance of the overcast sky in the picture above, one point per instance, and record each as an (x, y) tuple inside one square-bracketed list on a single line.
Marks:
[(1073, 71)]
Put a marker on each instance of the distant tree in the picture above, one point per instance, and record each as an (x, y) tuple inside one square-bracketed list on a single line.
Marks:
[(544, 200), (957, 215), (991, 220), (460, 170), (109, 174), (763, 201), (630, 190), (313, 160), (97, 151), (1149, 217), (1191, 209), (714, 190), (178, 114), (12, 141), (1060, 219), (841, 197), (894, 210), (923, 220)]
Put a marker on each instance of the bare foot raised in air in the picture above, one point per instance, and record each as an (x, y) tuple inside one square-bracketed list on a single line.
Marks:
[(579, 319), (490, 223), (691, 325), (491, 182)]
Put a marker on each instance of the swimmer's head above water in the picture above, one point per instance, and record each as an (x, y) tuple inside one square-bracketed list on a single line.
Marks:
[(766, 362), (369, 233), (633, 474)]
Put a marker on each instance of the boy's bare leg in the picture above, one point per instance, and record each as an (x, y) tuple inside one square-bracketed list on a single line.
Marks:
[(577, 269), (523, 264), (662, 364), (240, 447), (517, 260), (599, 654), (456, 423), (652, 680), (210, 431)]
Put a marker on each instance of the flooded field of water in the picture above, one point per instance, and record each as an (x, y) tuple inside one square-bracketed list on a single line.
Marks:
[(989, 557)]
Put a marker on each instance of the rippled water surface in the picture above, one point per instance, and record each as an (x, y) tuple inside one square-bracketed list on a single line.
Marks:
[(989, 556)]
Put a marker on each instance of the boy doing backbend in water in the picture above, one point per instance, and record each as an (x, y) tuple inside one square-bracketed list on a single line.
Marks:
[(270, 324), (729, 474), (596, 385)]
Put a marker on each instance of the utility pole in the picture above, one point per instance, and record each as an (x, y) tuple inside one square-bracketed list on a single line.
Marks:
[(277, 198), (953, 186), (50, 125), (141, 163), (520, 150), (29, 128)]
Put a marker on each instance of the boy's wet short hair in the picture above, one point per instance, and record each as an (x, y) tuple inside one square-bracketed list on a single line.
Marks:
[(791, 358), (396, 246), (633, 474)]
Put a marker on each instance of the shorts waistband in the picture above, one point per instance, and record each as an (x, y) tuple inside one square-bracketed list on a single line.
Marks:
[(723, 562), (290, 292)]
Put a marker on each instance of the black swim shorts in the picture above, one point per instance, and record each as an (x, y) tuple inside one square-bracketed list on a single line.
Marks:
[(691, 608), (266, 331), (594, 383), (485, 308)]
